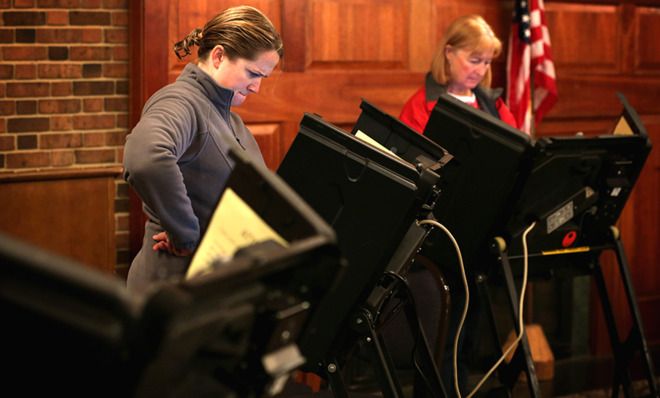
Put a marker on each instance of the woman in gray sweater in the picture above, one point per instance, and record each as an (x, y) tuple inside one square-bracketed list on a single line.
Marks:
[(176, 157)]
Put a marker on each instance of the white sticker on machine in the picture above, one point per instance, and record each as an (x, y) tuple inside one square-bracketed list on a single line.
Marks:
[(558, 218)]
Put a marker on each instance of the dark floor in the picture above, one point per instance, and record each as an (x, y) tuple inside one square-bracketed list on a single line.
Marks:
[(574, 377), (640, 389), (582, 377), (590, 377)]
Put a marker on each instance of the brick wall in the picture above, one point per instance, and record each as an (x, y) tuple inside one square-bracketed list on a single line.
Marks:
[(64, 90)]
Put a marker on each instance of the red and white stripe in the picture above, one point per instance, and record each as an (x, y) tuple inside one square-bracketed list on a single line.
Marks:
[(527, 58)]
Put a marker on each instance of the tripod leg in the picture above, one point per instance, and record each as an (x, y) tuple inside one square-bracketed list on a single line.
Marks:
[(527, 361), (382, 361), (621, 376), (637, 332), (427, 376), (335, 380), (484, 292)]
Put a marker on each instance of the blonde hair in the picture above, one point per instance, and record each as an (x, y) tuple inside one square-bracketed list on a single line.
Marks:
[(471, 33), (243, 32)]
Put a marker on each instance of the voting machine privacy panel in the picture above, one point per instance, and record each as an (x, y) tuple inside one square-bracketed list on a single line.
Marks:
[(368, 197), (490, 160)]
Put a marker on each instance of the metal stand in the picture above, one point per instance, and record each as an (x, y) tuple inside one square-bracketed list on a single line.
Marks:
[(624, 351), (390, 386), (522, 358), (364, 323)]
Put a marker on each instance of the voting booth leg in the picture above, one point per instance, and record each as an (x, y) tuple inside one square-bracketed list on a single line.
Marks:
[(427, 378), (636, 336), (621, 374), (383, 364), (427, 381), (624, 351), (484, 293), (522, 358), (507, 373), (337, 385)]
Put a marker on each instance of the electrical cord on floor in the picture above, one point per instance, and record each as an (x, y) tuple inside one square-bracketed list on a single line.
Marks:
[(467, 302)]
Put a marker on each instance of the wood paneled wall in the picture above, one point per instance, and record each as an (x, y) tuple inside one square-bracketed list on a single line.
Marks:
[(69, 212), (339, 51), (598, 49)]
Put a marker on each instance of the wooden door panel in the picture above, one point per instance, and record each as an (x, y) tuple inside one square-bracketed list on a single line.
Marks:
[(268, 137), (358, 34), (498, 14), (646, 32), (586, 38), (593, 97)]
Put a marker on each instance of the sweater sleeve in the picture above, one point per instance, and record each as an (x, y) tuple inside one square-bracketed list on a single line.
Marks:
[(166, 129)]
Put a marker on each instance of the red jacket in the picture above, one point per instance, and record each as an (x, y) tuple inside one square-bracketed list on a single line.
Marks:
[(417, 110)]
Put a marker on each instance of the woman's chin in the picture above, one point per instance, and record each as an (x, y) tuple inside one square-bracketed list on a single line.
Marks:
[(238, 99)]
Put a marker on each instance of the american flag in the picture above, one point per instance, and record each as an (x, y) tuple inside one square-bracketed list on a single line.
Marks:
[(529, 54)]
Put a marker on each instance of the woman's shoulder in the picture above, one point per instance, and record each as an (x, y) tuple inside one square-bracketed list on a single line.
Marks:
[(417, 99), (179, 88), (415, 111), (177, 94)]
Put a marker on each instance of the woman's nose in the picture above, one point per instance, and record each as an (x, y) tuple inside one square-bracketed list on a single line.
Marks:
[(254, 86)]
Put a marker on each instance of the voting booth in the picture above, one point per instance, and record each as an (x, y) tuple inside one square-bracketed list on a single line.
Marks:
[(575, 191), (231, 328), (373, 199), (573, 188)]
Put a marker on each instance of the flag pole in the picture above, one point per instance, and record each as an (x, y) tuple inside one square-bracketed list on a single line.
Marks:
[(532, 122)]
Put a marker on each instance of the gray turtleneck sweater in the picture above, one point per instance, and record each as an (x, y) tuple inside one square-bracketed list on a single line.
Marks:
[(176, 159)]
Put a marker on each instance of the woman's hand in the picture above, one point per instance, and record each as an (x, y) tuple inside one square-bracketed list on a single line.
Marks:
[(163, 243)]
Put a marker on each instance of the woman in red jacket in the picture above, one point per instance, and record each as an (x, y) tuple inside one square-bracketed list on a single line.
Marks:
[(460, 67)]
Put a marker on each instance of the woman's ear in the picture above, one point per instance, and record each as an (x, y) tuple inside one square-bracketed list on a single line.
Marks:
[(217, 55)]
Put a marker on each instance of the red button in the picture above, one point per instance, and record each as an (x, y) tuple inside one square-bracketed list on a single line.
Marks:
[(569, 239)]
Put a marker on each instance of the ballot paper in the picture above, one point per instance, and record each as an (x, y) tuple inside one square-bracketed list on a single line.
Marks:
[(234, 225), (366, 138)]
